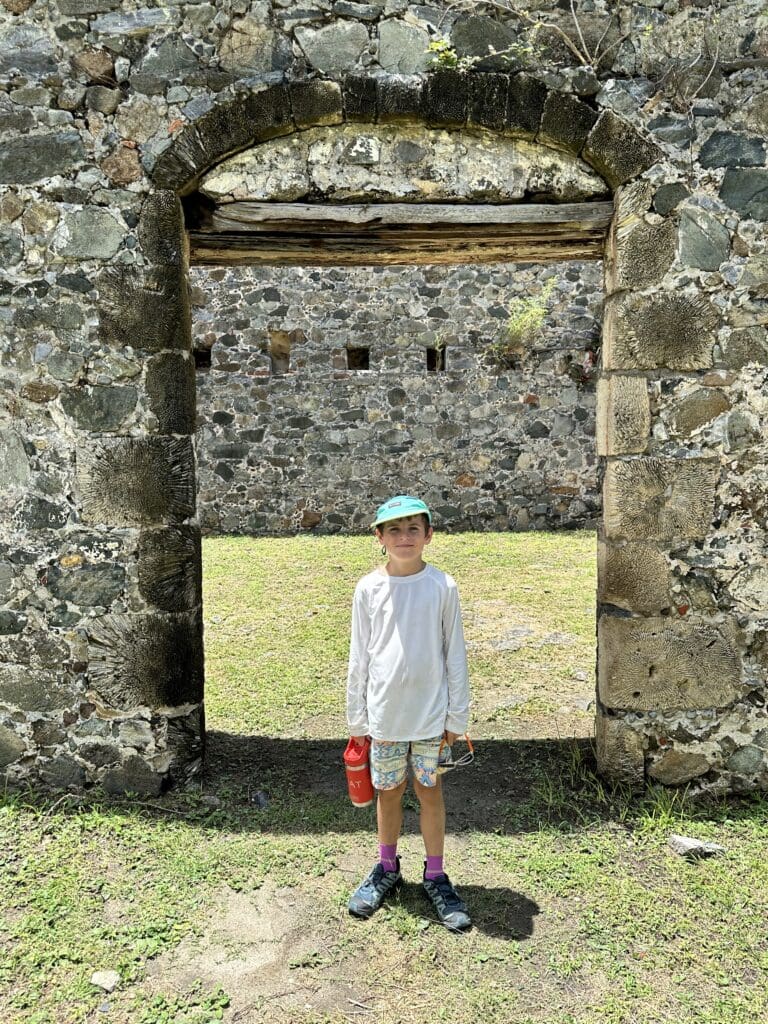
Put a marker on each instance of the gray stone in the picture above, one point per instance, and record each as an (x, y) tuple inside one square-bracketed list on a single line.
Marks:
[(403, 47), (746, 192), (742, 430), (730, 149), (63, 772), (746, 760), (89, 234), (704, 242), (6, 580), (249, 46), (748, 345), (11, 622), (675, 130), (27, 49), (80, 8), (133, 776), (88, 585), (362, 12), (13, 118), (14, 463), (99, 408), (172, 59), (103, 99), (63, 365), (483, 40), (333, 48), (12, 746), (36, 157), (39, 514), (119, 29), (32, 690), (693, 849), (667, 197), (99, 754), (106, 980)]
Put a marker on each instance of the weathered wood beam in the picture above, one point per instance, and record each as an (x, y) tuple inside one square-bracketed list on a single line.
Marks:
[(338, 249), (247, 216), (297, 233)]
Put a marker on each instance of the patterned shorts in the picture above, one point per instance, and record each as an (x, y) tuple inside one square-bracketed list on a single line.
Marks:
[(389, 761)]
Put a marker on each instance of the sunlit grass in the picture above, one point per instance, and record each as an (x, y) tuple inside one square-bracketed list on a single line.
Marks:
[(528, 602)]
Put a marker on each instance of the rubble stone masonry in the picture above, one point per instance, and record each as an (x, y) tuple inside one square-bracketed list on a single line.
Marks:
[(116, 118)]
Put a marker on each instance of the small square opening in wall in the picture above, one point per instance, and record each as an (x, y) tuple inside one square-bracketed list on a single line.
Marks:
[(202, 357), (436, 358), (358, 358)]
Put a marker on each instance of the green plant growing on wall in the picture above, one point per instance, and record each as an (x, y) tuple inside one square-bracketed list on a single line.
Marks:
[(443, 55), (526, 319)]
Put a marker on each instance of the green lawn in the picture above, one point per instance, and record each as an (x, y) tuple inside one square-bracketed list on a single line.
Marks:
[(226, 899), (268, 599)]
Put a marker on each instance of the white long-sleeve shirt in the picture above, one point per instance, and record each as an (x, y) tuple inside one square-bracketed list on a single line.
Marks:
[(408, 677)]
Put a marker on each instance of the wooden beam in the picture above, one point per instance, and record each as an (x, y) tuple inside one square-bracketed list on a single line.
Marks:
[(300, 233), (246, 216)]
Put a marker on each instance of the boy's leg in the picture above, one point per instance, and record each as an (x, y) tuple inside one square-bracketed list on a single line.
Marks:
[(388, 771), (428, 785), (432, 816), (389, 813)]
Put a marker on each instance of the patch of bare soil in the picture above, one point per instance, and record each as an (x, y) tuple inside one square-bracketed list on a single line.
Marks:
[(267, 950)]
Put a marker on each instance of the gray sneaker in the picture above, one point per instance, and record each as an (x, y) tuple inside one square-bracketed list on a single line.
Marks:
[(451, 910), (372, 891)]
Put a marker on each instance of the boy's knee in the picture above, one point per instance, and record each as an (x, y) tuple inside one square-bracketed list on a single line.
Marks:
[(428, 794), (392, 795)]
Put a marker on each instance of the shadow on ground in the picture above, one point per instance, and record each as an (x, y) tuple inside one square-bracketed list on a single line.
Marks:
[(508, 788), (497, 911)]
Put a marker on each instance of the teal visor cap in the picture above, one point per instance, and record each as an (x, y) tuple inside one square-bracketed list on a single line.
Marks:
[(399, 507)]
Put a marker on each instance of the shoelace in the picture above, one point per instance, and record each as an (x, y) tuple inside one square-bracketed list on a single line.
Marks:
[(377, 879), (447, 895)]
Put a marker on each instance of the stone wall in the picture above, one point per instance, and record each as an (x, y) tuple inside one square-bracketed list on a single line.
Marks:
[(303, 441), (110, 111)]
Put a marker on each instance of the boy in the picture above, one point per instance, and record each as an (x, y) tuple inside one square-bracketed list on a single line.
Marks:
[(408, 689)]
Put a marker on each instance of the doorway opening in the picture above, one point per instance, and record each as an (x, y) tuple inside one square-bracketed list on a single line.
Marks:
[(291, 464)]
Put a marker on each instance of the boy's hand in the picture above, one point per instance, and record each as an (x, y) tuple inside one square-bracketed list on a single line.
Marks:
[(358, 740), (450, 737)]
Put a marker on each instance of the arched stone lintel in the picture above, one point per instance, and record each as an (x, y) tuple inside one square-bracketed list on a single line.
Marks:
[(519, 105)]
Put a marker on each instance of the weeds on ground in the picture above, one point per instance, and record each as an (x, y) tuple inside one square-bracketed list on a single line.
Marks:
[(581, 911)]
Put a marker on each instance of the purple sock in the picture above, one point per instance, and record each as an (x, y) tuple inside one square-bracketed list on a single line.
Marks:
[(388, 856), (434, 867)]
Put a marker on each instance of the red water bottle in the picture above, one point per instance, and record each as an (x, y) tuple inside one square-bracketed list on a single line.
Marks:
[(357, 765)]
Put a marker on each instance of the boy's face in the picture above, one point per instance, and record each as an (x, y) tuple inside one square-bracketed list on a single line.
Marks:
[(405, 539)]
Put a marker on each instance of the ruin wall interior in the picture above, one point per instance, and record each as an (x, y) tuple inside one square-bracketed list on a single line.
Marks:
[(110, 112)]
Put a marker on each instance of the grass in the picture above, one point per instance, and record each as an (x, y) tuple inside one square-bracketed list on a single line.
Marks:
[(269, 597), (214, 905)]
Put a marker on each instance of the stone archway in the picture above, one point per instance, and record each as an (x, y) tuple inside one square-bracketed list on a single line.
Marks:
[(652, 659)]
